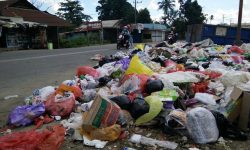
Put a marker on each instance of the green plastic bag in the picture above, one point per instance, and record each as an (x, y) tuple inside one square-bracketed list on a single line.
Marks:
[(155, 107), (166, 95)]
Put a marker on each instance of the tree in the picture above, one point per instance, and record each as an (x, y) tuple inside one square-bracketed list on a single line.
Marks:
[(115, 9), (72, 11), (192, 12), (168, 9), (144, 16)]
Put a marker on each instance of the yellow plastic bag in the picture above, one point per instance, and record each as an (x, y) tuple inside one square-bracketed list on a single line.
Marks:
[(139, 46), (137, 67), (155, 106)]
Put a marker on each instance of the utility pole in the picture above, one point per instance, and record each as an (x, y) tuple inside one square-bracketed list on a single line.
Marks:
[(238, 41), (223, 18), (136, 2)]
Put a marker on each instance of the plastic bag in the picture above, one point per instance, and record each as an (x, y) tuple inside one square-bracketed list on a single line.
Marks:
[(104, 80), (54, 140), (74, 89), (29, 140), (104, 134), (202, 126), (166, 95), (129, 81), (125, 63), (61, 108), (180, 77), (25, 115), (139, 108), (153, 86), (122, 101), (136, 66), (206, 98), (87, 70), (155, 107), (176, 119), (41, 95)]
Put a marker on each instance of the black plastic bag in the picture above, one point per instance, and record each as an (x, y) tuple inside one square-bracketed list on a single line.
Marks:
[(139, 108), (226, 129), (122, 101), (153, 86), (159, 60), (104, 80)]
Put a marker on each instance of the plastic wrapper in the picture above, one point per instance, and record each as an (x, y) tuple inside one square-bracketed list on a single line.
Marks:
[(155, 107), (202, 126), (176, 119), (136, 66), (26, 114), (60, 108)]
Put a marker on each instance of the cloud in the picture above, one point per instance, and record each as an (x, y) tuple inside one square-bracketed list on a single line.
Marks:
[(153, 5)]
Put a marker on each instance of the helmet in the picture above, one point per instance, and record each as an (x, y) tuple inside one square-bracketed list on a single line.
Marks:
[(125, 27)]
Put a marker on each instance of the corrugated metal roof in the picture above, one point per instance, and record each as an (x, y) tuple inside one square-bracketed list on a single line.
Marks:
[(32, 15)]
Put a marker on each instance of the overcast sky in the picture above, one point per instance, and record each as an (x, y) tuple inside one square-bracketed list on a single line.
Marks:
[(218, 8)]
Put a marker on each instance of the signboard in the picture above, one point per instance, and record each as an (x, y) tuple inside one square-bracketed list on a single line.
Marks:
[(96, 25), (140, 27), (221, 31)]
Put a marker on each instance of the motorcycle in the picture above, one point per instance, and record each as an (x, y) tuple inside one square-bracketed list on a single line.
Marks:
[(172, 38), (122, 41)]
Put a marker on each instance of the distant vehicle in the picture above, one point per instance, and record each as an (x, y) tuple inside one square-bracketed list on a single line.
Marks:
[(172, 38), (123, 41)]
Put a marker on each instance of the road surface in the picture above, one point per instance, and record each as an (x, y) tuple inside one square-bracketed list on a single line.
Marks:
[(24, 71)]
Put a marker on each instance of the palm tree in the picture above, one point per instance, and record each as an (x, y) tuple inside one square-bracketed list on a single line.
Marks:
[(168, 7), (211, 18)]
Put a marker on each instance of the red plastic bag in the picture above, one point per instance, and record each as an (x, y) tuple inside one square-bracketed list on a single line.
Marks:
[(236, 49), (30, 140), (61, 108), (86, 70), (75, 89), (55, 140)]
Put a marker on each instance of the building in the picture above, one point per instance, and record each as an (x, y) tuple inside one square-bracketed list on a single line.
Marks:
[(149, 32), (219, 34), (22, 26)]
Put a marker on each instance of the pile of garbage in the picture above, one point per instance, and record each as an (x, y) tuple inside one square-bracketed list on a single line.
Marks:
[(199, 90)]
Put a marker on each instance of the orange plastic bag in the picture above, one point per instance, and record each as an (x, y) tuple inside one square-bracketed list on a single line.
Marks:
[(87, 70), (74, 89), (30, 140), (61, 108)]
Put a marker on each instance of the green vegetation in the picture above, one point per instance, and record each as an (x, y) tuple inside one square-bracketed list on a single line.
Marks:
[(80, 41)]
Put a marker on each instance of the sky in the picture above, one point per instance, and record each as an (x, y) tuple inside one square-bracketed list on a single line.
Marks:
[(227, 9)]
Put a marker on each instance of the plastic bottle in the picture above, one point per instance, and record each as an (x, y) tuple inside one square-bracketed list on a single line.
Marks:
[(136, 138)]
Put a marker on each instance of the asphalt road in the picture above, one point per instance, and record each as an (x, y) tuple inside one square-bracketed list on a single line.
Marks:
[(23, 71)]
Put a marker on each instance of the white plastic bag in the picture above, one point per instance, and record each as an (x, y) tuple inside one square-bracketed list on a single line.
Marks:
[(180, 77), (202, 126), (205, 98)]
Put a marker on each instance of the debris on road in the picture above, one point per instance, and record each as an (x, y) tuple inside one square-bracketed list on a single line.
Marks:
[(199, 91)]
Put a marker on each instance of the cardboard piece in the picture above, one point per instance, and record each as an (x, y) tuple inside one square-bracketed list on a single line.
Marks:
[(102, 113), (239, 107)]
